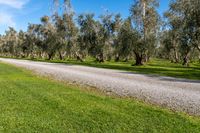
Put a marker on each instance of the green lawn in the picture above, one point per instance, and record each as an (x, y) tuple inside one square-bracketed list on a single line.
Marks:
[(155, 66), (34, 104)]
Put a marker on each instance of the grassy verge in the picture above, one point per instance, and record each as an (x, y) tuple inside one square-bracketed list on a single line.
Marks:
[(34, 104), (155, 66)]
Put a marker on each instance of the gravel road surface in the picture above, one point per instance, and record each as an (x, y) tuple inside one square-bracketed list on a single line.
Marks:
[(176, 94)]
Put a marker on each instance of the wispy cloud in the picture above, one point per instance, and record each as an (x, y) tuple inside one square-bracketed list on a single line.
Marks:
[(18, 4), (6, 20), (9, 9)]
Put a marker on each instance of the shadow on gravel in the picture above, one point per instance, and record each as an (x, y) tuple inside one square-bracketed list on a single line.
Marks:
[(179, 80), (163, 78)]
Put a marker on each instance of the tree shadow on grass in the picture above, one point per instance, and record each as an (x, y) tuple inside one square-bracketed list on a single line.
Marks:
[(158, 72), (165, 78), (175, 66)]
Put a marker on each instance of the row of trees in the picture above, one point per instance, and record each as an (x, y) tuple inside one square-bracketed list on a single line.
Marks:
[(181, 39), (63, 35)]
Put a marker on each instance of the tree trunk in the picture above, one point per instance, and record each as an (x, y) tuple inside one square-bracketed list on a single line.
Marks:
[(186, 60), (198, 47), (117, 58), (32, 55), (40, 55), (176, 56), (50, 56), (78, 57), (138, 60), (146, 58), (60, 55), (100, 58)]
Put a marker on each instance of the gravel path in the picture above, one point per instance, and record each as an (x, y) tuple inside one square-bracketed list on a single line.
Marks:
[(177, 94)]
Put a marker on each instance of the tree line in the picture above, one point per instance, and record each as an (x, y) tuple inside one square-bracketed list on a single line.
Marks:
[(144, 34)]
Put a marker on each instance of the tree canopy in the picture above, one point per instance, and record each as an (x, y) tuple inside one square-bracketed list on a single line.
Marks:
[(144, 34)]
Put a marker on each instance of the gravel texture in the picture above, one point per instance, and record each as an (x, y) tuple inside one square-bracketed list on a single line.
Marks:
[(177, 94)]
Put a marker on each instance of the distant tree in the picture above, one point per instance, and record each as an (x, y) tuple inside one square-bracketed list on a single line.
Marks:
[(170, 46), (66, 30), (9, 42), (109, 36), (124, 45), (145, 19), (107, 30), (130, 42), (21, 42), (49, 35), (31, 43), (116, 29), (91, 35), (183, 18), (111, 25)]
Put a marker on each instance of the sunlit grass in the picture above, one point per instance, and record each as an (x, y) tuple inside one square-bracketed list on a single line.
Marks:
[(35, 104)]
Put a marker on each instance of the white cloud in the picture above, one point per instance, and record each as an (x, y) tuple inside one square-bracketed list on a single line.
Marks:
[(18, 4), (7, 20), (8, 11)]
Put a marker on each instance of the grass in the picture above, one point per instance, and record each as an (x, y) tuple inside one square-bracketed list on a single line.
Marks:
[(35, 104), (155, 66)]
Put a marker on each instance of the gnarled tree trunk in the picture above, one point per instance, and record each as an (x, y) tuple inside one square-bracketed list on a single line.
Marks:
[(50, 55), (60, 55), (186, 60), (100, 58), (138, 59)]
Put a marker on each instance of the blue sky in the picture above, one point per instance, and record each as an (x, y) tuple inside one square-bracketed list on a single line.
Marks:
[(18, 13)]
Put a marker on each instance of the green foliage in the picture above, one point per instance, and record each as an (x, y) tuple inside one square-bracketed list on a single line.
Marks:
[(92, 34), (108, 37), (126, 39), (183, 21), (145, 20), (9, 42)]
